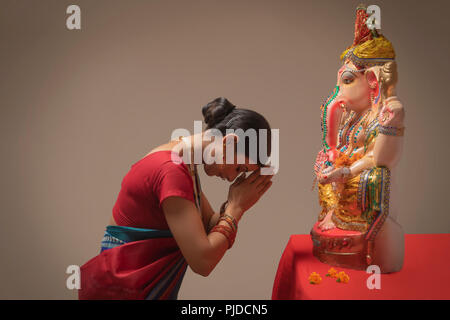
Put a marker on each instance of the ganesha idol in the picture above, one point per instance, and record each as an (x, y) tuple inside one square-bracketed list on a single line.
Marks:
[(362, 136)]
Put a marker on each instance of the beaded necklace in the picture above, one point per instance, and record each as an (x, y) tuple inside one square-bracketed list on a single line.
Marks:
[(341, 131), (324, 123), (355, 132), (197, 185), (352, 134), (195, 178), (348, 133), (355, 137)]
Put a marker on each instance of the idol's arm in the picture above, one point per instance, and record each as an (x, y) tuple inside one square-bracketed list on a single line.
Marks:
[(344, 173), (362, 164), (389, 142)]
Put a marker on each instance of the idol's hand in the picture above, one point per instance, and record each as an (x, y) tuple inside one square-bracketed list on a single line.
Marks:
[(245, 192), (392, 113), (334, 175)]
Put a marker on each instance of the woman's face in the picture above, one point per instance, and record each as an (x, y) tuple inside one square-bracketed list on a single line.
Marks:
[(229, 171), (353, 87)]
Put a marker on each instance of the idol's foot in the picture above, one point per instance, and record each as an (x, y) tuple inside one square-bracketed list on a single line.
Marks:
[(327, 223)]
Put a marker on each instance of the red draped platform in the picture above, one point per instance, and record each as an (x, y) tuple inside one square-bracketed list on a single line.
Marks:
[(425, 273)]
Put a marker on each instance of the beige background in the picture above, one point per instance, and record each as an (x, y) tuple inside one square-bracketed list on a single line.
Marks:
[(79, 107)]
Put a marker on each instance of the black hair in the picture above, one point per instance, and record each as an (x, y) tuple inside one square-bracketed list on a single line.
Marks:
[(221, 114)]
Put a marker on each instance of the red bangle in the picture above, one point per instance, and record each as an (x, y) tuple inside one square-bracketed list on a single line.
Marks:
[(227, 232)]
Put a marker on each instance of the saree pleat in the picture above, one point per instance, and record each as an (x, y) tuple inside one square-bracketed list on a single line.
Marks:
[(165, 285), (143, 269)]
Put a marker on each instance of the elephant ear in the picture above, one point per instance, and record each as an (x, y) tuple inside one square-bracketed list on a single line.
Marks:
[(388, 78)]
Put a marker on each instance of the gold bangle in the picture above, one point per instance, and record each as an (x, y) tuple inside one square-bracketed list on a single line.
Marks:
[(391, 131), (230, 220)]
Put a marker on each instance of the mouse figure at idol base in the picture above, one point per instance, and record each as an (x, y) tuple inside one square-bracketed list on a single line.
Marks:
[(362, 135)]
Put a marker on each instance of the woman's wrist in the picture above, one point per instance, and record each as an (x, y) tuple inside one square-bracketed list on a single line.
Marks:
[(224, 229), (233, 210), (223, 207), (230, 220)]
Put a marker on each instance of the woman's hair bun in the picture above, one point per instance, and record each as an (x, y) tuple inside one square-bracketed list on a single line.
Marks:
[(215, 111)]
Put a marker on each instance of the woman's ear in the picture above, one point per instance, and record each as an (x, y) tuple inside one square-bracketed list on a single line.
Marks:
[(230, 138), (230, 142)]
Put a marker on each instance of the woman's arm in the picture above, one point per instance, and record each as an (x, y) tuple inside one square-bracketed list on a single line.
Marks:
[(203, 251), (210, 218)]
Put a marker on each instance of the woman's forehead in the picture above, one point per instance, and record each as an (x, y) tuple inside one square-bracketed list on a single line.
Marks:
[(250, 166)]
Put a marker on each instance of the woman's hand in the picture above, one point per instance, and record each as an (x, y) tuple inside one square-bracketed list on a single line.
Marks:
[(245, 192)]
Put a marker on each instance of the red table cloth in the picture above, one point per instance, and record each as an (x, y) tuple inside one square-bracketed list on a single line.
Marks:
[(425, 273)]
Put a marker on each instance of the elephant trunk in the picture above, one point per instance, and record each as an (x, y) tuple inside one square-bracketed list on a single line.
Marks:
[(332, 117)]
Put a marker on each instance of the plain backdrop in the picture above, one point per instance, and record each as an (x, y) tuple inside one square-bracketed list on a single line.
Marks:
[(79, 107)]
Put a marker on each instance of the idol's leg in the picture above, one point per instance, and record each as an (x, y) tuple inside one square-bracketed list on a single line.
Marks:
[(327, 223)]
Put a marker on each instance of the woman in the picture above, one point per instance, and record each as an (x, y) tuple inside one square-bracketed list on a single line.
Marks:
[(162, 221)]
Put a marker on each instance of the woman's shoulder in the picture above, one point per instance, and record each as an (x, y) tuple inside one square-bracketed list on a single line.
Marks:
[(162, 161), (167, 175), (160, 157)]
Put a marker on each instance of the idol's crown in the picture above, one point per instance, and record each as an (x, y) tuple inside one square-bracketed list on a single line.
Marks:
[(369, 47)]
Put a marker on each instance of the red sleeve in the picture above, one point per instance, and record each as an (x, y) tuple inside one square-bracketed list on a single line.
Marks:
[(174, 180)]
